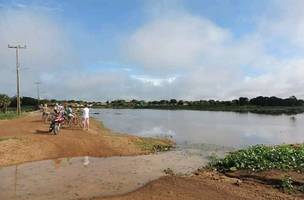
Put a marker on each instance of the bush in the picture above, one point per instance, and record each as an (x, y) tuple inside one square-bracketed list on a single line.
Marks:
[(4, 102)]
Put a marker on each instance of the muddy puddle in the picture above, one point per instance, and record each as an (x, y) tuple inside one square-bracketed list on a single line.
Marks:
[(86, 177)]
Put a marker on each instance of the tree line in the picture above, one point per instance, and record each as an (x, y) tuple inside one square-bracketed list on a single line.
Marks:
[(261, 101), (242, 101), (7, 102)]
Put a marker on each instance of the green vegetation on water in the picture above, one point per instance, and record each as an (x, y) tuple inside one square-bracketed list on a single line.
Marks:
[(261, 157), (153, 145)]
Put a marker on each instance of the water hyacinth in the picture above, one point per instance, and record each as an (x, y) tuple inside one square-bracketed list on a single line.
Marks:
[(262, 157)]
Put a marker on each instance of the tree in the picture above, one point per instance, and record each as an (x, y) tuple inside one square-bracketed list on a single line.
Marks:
[(29, 101), (180, 102), (243, 101), (173, 101), (4, 102), (163, 102)]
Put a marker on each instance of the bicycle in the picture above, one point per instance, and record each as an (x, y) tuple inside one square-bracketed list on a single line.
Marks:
[(75, 121)]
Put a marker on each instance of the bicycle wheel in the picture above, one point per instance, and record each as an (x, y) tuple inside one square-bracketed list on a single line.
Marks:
[(75, 121)]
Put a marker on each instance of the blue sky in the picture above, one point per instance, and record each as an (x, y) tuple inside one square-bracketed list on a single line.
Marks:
[(154, 49)]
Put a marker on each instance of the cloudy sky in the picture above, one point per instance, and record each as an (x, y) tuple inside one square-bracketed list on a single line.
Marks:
[(153, 49)]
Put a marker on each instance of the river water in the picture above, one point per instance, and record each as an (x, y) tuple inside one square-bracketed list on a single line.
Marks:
[(205, 127)]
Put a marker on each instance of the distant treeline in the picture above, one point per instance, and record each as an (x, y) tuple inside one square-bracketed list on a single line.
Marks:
[(6, 102), (261, 104), (242, 101)]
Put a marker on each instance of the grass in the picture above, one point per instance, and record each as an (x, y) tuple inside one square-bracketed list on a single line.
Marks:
[(153, 145), (261, 157), (8, 138), (8, 115), (11, 113)]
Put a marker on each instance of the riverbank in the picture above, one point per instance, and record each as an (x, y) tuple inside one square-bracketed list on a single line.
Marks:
[(204, 185), (27, 139), (267, 110)]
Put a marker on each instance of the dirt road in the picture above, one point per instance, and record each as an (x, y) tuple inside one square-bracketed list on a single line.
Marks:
[(27, 139)]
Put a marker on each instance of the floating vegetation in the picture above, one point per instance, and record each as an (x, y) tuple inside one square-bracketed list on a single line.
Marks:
[(154, 145)]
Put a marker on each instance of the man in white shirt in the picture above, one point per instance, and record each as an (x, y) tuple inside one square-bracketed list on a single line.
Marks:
[(86, 118)]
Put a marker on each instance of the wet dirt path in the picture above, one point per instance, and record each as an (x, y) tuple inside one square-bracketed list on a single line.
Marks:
[(87, 177)]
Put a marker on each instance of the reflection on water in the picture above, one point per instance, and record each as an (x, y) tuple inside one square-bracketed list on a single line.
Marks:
[(87, 177), (86, 161), (57, 163), (221, 128), (16, 180)]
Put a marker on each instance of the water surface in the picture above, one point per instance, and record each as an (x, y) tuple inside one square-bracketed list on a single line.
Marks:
[(220, 128), (87, 177)]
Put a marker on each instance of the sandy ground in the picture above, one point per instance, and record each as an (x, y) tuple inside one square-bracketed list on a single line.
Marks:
[(27, 139)]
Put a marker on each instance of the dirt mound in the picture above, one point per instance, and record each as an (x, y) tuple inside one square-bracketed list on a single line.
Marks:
[(274, 178), (205, 185)]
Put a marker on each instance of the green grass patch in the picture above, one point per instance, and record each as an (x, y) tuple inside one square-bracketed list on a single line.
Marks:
[(8, 115), (153, 145), (261, 157), (11, 113)]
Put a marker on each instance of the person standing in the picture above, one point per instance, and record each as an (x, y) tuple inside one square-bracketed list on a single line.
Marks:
[(86, 118)]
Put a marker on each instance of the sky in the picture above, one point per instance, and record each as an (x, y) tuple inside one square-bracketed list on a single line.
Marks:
[(101, 50)]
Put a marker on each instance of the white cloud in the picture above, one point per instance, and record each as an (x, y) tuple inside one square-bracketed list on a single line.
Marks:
[(175, 41), (284, 23), (48, 48), (154, 81), (218, 65), (178, 55)]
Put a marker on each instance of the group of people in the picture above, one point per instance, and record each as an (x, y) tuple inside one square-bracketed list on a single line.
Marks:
[(68, 112)]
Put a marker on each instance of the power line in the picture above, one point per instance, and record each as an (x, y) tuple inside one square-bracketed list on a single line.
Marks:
[(18, 78)]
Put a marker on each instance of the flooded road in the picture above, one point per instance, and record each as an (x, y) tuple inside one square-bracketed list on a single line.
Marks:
[(86, 177)]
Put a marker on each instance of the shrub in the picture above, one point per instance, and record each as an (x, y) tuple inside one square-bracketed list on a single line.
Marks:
[(261, 157)]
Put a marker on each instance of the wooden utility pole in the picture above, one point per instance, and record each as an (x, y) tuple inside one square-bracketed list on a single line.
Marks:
[(18, 79)]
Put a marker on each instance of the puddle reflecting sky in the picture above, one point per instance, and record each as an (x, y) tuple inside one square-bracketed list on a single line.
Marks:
[(221, 128), (87, 177)]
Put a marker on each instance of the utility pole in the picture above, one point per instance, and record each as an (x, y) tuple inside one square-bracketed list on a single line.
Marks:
[(18, 79), (38, 92)]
